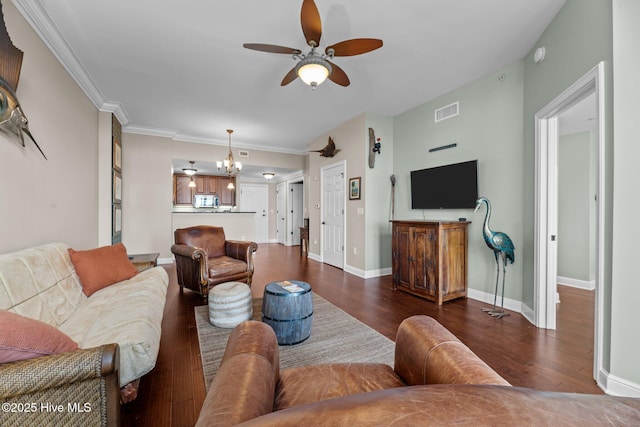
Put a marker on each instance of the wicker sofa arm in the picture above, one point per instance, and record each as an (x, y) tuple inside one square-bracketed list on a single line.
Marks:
[(75, 388)]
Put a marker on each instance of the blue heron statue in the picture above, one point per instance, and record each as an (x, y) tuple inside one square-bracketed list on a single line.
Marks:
[(502, 248)]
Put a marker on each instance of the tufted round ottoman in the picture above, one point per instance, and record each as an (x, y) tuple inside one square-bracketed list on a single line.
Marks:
[(230, 304)]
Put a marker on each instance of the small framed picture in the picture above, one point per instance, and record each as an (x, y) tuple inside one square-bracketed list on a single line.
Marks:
[(354, 188), (117, 187), (117, 155), (116, 224), (117, 219)]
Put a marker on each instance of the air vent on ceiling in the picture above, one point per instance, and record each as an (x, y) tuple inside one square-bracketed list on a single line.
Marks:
[(447, 112), (243, 153)]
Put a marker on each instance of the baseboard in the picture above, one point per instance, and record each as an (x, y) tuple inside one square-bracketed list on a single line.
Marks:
[(485, 297), (367, 274), (528, 313), (616, 386), (314, 257), (355, 271), (589, 285), (162, 261)]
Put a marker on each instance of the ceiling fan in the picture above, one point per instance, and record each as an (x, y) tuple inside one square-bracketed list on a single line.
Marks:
[(314, 67)]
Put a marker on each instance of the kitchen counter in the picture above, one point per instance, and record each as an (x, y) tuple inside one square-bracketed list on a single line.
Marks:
[(238, 225), (208, 210)]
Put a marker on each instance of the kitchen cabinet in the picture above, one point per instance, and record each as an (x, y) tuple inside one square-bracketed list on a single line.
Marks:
[(227, 195), (429, 259), (182, 193), (205, 184)]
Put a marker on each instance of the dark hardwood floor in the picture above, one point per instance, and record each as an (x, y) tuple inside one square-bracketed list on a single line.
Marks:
[(560, 360)]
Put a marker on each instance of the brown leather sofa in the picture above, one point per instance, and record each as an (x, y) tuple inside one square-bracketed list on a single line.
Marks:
[(436, 380), (204, 258)]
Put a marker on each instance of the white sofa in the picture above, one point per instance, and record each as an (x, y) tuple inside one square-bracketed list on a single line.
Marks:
[(41, 283)]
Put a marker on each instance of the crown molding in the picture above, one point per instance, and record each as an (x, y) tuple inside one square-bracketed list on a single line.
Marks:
[(36, 16), (117, 110), (143, 130), (34, 13), (175, 136)]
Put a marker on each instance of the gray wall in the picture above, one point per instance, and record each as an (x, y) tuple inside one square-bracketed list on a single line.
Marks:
[(576, 206), (44, 201)]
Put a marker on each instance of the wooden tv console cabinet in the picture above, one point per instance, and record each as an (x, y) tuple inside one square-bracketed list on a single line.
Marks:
[(429, 258)]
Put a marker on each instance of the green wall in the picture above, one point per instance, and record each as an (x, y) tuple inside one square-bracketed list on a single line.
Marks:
[(625, 292), (578, 39), (576, 206), (489, 129), (377, 193), (496, 126)]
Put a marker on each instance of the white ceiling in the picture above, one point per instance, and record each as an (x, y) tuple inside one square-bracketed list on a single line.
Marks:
[(177, 68)]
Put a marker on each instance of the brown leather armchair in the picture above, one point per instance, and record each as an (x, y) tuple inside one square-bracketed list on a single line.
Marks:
[(204, 258)]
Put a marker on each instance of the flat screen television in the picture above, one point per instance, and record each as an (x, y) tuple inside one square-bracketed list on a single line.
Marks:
[(453, 186)]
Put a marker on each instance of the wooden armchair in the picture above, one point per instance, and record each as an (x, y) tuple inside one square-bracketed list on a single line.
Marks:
[(204, 258)]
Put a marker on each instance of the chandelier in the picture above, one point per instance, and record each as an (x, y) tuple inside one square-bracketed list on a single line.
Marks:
[(230, 166)]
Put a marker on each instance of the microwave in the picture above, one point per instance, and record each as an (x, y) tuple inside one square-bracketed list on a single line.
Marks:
[(206, 201)]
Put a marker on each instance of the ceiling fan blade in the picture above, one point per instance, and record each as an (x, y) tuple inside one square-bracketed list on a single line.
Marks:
[(311, 22), (338, 76), (354, 47), (271, 48), (291, 76)]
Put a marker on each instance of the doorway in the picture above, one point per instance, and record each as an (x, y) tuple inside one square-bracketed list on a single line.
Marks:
[(281, 213), (296, 209), (546, 208), (332, 220), (254, 198)]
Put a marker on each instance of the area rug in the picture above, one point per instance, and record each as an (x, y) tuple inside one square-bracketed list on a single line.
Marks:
[(335, 337)]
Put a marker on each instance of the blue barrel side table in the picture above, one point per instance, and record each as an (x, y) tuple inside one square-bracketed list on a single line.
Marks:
[(287, 307)]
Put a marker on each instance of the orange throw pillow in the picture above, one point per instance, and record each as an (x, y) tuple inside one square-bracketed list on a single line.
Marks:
[(25, 338), (102, 267)]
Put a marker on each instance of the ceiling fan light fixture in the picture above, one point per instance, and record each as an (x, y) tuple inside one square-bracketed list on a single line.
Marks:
[(313, 70)]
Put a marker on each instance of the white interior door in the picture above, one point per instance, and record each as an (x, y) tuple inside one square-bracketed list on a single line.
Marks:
[(332, 221), (295, 209), (254, 197), (281, 214)]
